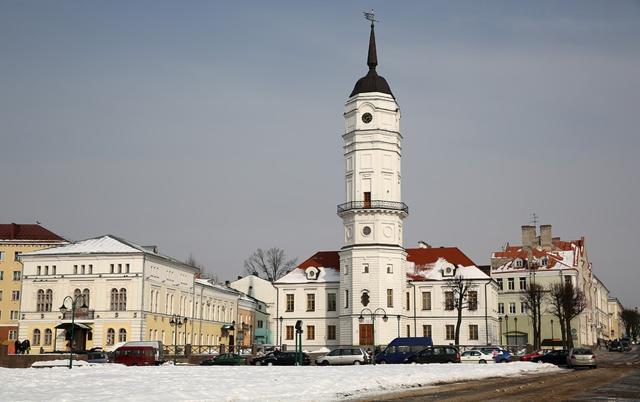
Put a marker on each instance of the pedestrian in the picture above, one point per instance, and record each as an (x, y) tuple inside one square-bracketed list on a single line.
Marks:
[(17, 347), (26, 345)]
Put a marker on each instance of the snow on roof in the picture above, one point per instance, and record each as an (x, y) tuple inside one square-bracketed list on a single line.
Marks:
[(299, 275), (208, 283), (434, 271)]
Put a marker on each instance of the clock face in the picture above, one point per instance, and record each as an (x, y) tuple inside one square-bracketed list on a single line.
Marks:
[(366, 118)]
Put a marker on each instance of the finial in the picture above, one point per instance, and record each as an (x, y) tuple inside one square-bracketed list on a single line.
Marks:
[(372, 57)]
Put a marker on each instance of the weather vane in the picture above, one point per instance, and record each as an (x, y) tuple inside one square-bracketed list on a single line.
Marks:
[(534, 219), (370, 16)]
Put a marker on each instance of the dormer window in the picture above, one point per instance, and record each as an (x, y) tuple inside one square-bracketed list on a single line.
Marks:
[(544, 262), (312, 273), (518, 263), (448, 271)]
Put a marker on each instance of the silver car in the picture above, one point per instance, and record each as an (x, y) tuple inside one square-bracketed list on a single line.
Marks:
[(581, 357), (344, 356)]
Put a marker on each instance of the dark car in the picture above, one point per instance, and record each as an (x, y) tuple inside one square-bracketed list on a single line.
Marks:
[(615, 346), (97, 357), (557, 357), (225, 359), (625, 344), (436, 354), (400, 349), (278, 358)]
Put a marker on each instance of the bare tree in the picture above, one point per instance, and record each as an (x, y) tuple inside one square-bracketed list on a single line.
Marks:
[(631, 320), (567, 303), (532, 299), (457, 297), (270, 265), (556, 297)]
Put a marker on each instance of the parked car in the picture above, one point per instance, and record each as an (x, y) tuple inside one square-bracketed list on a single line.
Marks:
[(557, 357), (625, 344), (97, 357), (135, 356), (344, 356), (436, 354), (499, 355), (477, 356), (615, 346), (225, 359), (400, 349), (278, 358), (581, 357), (529, 356)]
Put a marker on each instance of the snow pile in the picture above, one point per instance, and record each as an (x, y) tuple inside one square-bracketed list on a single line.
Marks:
[(238, 383), (60, 363)]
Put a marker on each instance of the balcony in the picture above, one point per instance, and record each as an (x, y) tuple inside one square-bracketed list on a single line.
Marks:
[(373, 204)]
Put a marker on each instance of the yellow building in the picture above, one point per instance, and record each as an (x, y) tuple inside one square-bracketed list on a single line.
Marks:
[(17, 239)]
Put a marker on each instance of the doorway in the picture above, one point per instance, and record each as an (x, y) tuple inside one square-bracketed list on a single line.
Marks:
[(366, 334)]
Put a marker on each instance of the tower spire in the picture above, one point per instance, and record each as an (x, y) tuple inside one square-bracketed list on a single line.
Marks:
[(372, 57)]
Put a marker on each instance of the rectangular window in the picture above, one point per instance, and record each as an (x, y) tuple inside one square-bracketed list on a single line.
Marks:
[(448, 300), (13, 335), (17, 275), (14, 315), (1, 275), (119, 268), (1, 255), (127, 268), (83, 269), (112, 268), (290, 302), (426, 330), (473, 332), (346, 299), (512, 308), (408, 330), (75, 270), (449, 332), (90, 269), (365, 268), (17, 256), (567, 280), (523, 283), (473, 300), (53, 270), (311, 302), (331, 302), (311, 332), (511, 283), (408, 301), (500, 285), (500, 308), (389, 297), (331, 332), (289, 335), (389, 268), (523, 308), (39, 270), (15, 295), (0, 295), (260, 324), (426, 300)]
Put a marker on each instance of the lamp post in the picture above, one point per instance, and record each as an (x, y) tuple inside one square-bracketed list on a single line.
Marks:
[(500, 328), (552, 329), (373, 323), (176, 322), (515, 320), (64, 309), (233, 337), (281, 319), (506, 333), (184, 321), (398, 317)]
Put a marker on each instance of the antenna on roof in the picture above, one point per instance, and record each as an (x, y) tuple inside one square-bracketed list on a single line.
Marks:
[(534, 219), (370, 16)]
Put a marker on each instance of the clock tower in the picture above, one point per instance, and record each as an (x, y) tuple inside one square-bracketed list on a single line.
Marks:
[(372, 260)]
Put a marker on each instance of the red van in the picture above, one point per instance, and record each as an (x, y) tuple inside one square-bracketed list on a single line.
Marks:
[(136, 356)]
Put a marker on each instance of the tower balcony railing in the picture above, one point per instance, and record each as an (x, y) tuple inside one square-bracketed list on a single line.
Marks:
[(373, 204)]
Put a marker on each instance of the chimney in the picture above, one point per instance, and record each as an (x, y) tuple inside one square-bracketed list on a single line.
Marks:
[(239, 277), (528, 236), (227, 283), (250, 291), (545, 236)]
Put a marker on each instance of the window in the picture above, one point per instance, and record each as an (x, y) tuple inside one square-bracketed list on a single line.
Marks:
[(408, 301), (112, 269), (426, 330), (511, 283), (389, 268), (473, 300), (544, 262), (365, 268), (408, 330), (523, 308), (289, 334), (473, 332), (519, 263), (46, 270), (346, 299), (311, 302), (0, 295), (290, 302), (53, 270), (127, 268), (512, 308), (90, 268), (260, 324), (311, 332), (1, 275), (39, 270), (331, 302), (426, 300), (118, 299), (567, 280), (346, 270), (523, 283), (448, 300), (48, 336), (83, 269), (500, 308), (17, 275), (36, 337), (15, 295), (15, 315), (40, 300), (1, 255), (75, 270), (16, 257), (119, 268), (389, 297), (13, 335), (111, 336), (331, 332), (449, 332), (85, 296), (122, 335)]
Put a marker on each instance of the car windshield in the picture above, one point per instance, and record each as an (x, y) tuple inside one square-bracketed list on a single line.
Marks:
[(582, 352)]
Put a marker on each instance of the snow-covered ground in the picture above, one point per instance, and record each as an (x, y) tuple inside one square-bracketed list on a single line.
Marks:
[(239, 383)]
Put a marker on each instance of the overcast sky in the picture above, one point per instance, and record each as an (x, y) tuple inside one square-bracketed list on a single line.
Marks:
[(213, 129)]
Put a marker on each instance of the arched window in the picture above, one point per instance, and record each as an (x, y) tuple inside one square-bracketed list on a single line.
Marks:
[(122, 335), (156, 301), (111, 336), (122, 305), (36, 337), (48, 300), (86, 293), (47, 337), (40, 300), (76, 293), (114, 299)]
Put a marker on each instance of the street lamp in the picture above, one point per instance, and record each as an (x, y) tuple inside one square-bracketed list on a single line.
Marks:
[(373, 323), (64, 309), (552, 329), (506, 333), (500, 327), (398, 317), (176, 322), (515, 320), (233, 337), (281, 319)]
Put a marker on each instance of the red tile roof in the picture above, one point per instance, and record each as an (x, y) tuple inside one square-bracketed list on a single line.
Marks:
[(15, 231), (419, 256)]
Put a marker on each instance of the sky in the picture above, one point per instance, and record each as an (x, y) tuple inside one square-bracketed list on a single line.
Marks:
[(214, 128)]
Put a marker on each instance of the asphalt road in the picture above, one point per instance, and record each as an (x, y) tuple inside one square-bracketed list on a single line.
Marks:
[(616, 378)]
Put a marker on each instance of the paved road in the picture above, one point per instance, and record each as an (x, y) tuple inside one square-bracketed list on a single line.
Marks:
[(617, 378)]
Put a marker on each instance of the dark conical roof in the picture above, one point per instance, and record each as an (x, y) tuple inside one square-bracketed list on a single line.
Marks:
[(372, 82)]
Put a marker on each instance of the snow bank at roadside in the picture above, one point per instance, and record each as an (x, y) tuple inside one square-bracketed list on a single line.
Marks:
[(237, 383), (59, 363)]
